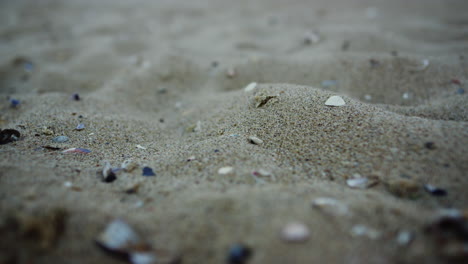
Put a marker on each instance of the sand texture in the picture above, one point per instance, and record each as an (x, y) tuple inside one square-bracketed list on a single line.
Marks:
[(162, 83)]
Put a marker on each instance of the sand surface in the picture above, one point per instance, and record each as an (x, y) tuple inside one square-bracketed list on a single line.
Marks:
[(169, 76)]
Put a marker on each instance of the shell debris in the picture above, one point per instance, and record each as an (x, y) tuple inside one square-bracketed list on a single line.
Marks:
[(250, 87), (255, 140), (335, 100), (331, 206), (295, 232), (129, 165), (225, 170)]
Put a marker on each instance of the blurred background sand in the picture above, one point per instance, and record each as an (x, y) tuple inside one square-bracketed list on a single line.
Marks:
[(169, 76)]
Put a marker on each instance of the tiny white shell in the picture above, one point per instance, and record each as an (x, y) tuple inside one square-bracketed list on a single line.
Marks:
[(225, 170), (335, 100), (295, 232), (250, 87), (255, 140), (330, 206)]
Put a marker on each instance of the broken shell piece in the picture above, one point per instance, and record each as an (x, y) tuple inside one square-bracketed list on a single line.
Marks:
[(295, 232), (108, 174), (119, 240), (118, 235), (77, 150), (361, 230), (250, 87), (80, 127), (225, 170), (140, 146), (405, 188), (191, 158), (255, 140), (330, 206), (435, 190), (129, 165), (404, 238), (335, 101), (362, 182), (311, 38), (9, 135)]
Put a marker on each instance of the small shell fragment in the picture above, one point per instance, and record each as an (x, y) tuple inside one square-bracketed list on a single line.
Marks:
[(361, 230), (129, 165), (295, 232), (362, 182), (330, 206), (225, 170), (435, 190), (9, 135), (108, 174), (335, 101), (118, 235), (255, 140), (77, 150), (60, 139), (80, 127), (404, 238), (250, 87), (140, 147)]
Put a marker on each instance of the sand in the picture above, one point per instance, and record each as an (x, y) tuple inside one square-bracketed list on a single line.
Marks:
[(169, 76)]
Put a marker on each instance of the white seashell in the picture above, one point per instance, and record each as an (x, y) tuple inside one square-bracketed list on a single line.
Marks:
[(335, 101), (330, 206), (362, 182), (225, 170), (143, 258), (107, 170), (118, 235), (361, 230), (295, 232), (255, 140), (404, 238), (129, 165), (250, 87), (140, 147)]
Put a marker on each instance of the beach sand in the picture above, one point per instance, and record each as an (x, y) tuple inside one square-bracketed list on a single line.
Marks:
[(162, 83)]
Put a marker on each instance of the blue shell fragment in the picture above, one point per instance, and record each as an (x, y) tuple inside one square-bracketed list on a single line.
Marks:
[(147, 171), (238, 254)]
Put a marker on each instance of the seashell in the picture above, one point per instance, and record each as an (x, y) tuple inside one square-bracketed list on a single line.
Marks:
[(295, 232), (335, 101), (330, 206), (225, 170), (255, 140), (250, 87), (362, 182)]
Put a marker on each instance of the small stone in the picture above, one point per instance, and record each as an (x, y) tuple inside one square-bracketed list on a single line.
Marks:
[(405, 188), (225, 170), (147, 171), (368, 97), (361, 230), (129, 165), (362, 182), (238, 254), (108, 174), (404, 238), (68, 184), (255, 140), (406, 96), (60, 139), (460, 91), (231, 73), (47, 131), (80, 127), (430, 145), (295, 232), (250, 87), (331, 206), (76, 97), (9, 135), (335, 101), (435, 191)]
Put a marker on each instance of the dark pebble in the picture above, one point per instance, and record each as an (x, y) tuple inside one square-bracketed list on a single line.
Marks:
[(147, 171), (238, 254), (76, 97), (110, 178), (216, 150), (435, 190), (449, 228), (430, 145), (9, 135)]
